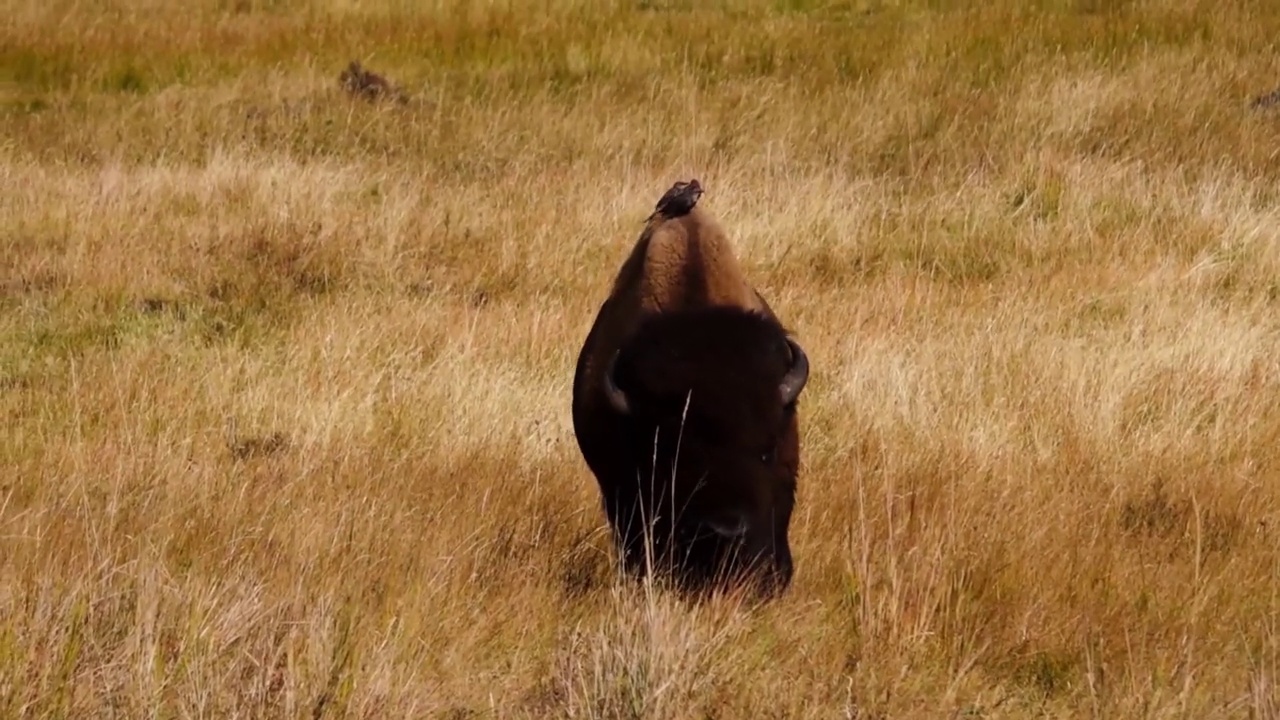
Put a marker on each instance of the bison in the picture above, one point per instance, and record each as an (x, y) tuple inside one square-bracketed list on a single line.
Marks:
[(684, 408)]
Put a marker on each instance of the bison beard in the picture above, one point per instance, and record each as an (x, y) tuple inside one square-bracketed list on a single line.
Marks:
[(697, 450)]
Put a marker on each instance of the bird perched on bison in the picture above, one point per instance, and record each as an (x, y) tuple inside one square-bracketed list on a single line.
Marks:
[(684, 408), (678, 200)]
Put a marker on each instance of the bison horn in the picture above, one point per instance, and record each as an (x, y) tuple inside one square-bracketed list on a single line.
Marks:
[(617, 398), (797, 375)]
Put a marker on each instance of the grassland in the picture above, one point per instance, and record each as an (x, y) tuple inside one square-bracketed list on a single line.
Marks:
[(285, 376)]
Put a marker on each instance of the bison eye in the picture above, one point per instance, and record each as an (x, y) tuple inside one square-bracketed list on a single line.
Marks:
[(767, 456)]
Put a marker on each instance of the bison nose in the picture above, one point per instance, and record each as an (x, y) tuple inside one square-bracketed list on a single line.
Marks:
[(730, 527)]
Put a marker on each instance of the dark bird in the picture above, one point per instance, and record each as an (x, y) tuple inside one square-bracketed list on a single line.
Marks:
[(678, 200)]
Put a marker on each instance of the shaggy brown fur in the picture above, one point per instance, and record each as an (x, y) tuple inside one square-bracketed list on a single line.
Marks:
[(682, 263), (369, 85)]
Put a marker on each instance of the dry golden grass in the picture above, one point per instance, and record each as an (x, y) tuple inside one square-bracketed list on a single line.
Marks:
[(285, 375)]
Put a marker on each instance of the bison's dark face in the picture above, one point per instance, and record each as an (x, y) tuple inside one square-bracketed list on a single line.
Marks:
[(707, 399)]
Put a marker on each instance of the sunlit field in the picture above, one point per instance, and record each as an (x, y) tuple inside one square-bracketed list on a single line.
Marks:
[(285, 373)]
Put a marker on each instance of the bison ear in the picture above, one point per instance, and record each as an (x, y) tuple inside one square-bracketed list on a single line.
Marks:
[(797, 375), (616, 397)]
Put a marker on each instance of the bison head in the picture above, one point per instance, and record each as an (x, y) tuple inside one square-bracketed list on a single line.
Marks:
[(707, 401)]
